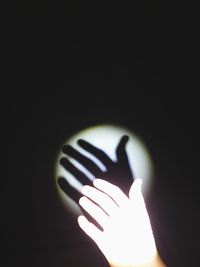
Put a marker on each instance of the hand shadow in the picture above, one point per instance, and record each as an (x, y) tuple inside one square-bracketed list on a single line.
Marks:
[(117, 172)]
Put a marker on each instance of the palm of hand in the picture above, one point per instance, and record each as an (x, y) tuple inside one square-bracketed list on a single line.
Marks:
[(127, 237)]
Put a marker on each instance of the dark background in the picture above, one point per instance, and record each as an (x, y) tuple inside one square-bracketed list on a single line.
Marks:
[(73, 64)]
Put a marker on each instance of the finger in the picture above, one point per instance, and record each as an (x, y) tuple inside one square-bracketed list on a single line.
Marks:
[(90, 229), (103, 200), (135, 193), (79, 175), (75, 195), (94, 211), (98, 153), (111, 190), (69, 190), (85, 161), (121, 149)]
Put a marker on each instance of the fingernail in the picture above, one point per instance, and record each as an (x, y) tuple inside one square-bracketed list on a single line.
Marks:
[(82, 200), (96, 182), (85, 189)]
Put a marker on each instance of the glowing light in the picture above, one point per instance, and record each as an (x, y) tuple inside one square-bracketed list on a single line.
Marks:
[(127, 238), (107, 138)]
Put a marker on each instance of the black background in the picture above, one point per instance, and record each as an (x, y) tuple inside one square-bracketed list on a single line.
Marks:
[(73, 64)]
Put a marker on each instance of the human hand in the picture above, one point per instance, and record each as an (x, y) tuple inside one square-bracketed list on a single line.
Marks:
[(114, 172), (127, 238)]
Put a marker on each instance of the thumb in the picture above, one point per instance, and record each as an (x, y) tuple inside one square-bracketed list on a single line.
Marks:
[(135, 193), (120, 152)]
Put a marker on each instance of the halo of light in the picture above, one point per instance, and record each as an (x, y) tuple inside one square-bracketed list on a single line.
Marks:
[(105, 137)]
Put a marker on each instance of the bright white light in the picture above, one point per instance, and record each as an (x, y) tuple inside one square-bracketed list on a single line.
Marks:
[(127, 238), (107, 137)]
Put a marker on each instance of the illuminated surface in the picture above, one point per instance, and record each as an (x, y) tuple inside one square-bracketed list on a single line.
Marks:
[(126, 238), (107, 138)]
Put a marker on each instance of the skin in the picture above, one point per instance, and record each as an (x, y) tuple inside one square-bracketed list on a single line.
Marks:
[(125, 238)]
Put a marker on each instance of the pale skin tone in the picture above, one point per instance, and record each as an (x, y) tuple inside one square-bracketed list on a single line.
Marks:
[(126, 238)]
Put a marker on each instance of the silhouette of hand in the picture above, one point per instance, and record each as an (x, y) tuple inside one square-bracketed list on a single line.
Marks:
[(117, 172), (126, 238)]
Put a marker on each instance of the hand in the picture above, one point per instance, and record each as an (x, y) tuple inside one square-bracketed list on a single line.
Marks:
[(115, 170), (126, 238)]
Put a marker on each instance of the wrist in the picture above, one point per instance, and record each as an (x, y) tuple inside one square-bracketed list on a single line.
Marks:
[(155, 262)]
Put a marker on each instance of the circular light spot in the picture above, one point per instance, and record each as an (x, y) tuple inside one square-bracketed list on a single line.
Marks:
[(105, 137)]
